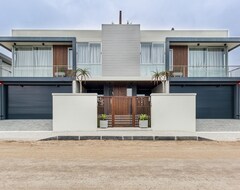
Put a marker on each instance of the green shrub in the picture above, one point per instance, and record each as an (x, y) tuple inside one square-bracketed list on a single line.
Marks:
[(103, 116), (143, 117)]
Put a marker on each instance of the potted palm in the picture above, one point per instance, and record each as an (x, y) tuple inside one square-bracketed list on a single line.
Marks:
[(82, 75), (143, 121), (103, 121), (163, 77)]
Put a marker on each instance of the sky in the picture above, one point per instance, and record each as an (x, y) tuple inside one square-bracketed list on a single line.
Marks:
[(151, 14)]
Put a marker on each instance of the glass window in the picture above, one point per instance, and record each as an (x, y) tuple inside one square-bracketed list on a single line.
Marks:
[(70, 59), (170, 60), (88, 53), (129, 91), (152, 53), (32, 61), (206, 62), (146, 49)]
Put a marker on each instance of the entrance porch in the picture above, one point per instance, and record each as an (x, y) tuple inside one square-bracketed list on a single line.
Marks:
[(124, 111)]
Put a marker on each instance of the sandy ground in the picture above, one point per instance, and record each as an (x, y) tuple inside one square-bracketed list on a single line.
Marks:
[(120, 165)]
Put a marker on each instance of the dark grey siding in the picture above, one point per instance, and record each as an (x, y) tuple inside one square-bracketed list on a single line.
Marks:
[(32, 102), (213, 102)]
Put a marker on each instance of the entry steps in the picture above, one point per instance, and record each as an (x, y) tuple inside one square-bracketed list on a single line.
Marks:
[(151, 138)]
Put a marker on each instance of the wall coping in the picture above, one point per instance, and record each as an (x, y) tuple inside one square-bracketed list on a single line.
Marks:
[(74, 94), (173, 94)]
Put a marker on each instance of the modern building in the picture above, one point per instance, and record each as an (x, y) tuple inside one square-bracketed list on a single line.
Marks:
[(121, 59)]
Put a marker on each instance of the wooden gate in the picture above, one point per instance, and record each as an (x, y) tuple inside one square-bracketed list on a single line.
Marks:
[(123, 111)]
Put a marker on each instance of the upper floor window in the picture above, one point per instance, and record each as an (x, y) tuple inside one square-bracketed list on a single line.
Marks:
[(32, 56), (88, 53), (70, 59), (207, 62), (152, 53), (32, 61)]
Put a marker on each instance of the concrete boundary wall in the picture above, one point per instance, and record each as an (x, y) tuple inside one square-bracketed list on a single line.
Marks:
[(173, 112), (74, 112)]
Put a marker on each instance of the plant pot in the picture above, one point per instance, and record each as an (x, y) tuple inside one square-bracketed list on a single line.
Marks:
[(103, 124), (143, 123), (60, 74)]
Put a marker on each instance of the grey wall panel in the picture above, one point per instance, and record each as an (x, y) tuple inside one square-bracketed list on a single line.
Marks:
[(121, 50), (32, 102), (212, 101)]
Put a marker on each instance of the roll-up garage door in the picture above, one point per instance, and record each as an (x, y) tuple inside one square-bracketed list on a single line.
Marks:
[(212, 101), (32, 102)]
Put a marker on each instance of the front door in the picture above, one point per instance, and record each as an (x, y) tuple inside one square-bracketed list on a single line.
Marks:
[(122, 107), (119, 91)]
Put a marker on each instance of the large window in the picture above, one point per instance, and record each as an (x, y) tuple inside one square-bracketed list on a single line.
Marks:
[(70, 59), (209, 61), (152, 53), (152, 58), (29, 61), (88, 53)]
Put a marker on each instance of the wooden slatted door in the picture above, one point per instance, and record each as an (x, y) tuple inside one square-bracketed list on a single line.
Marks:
[(123, 111)]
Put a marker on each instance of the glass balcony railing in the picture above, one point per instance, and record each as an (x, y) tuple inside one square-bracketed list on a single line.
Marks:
[(95, 70), (147, 69), (37, 71), (205, 71)]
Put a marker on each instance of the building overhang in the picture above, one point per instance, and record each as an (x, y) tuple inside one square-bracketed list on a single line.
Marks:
[(230, 42), (5, 59), (9, 42)]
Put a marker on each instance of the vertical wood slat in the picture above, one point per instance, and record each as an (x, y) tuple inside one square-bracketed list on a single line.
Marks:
[(180, 59), (133, 110), (60, 58), (113, 112), (123, 111)]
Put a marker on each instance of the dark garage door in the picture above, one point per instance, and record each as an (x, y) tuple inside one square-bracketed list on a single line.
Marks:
[(212, 101), (32, 102)]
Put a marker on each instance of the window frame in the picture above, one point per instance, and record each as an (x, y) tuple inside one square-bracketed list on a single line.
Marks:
[(88, 58), (225, 60), (151, 52), (70, 65), (32, 51)]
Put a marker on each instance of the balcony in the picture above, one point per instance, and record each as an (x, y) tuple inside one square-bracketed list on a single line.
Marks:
[(206, 71), (95, 70), (48, 71), (147, 69)]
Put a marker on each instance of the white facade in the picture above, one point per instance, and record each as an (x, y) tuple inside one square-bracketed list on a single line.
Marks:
[(173, 112), (74, 112)]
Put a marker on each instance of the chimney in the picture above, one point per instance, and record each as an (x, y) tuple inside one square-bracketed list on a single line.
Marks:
[(120, 17)]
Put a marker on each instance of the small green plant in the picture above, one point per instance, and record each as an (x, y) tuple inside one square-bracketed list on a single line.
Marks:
[(61, 69), (143, 117), (103, 117)]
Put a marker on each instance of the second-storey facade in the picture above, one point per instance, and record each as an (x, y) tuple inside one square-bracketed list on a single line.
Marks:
[(121, 59)]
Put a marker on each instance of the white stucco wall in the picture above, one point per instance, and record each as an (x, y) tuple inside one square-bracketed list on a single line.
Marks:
[(173, 112), (74, 112)]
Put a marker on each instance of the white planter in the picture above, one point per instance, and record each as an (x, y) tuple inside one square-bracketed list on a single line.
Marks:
[(143, 123), (60, 74), (103, 123)]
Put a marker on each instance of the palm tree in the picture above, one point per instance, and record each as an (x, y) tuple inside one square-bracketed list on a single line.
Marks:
[(161, 76), (156, 77), (82, 75)]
